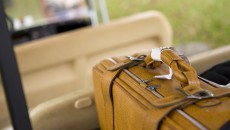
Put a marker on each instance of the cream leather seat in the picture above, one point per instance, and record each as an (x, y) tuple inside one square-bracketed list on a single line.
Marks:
[(204, 61), (56, 71)]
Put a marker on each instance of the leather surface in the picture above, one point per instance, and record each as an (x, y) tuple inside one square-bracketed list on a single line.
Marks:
[(135, 107)]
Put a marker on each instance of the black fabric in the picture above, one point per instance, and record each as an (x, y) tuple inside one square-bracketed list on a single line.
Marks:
[(219, 74), (226, 126)]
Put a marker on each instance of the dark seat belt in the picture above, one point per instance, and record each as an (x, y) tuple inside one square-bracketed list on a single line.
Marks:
[(11, 78)]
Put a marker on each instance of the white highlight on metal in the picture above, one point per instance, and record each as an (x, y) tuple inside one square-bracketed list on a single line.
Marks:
[(214, 84), (112, 60), (156, 56), (196, 123)]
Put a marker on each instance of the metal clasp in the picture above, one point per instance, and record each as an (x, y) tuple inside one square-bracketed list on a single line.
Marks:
[(201, 95), (134, 59)]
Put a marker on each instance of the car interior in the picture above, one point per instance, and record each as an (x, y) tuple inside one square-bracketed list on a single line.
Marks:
[(56, 71)]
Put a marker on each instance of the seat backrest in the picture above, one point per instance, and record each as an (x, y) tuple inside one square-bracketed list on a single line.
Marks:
[(60, 64), (204, 61)]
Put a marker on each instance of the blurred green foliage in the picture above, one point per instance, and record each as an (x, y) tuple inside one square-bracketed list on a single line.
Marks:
[(20, 8), (205, 21)]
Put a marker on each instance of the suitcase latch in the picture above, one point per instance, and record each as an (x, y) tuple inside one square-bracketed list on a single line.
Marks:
[(200, 95)]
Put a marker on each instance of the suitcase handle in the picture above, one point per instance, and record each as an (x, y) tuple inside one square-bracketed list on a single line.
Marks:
[(181, 69)]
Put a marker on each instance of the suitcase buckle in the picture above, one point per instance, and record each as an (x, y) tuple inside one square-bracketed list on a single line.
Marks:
[(134, 58), (200, 95)]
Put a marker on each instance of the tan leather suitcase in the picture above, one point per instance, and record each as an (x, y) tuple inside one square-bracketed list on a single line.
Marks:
[(159, 90)]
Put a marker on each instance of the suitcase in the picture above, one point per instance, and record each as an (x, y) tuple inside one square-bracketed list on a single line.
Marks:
[(159, 90)]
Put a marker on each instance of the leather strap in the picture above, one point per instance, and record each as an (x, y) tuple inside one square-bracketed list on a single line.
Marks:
[(107, 84), (150, 62), (152, 120), (178, 65), (180, 68), (182, 99), (168, 101)]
